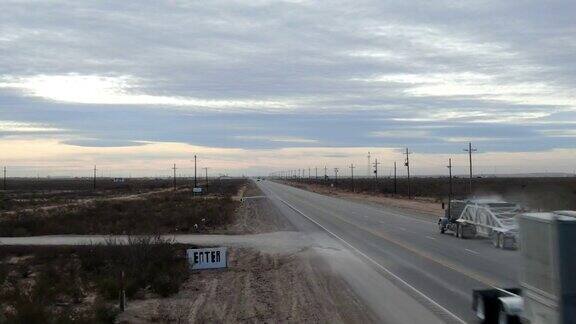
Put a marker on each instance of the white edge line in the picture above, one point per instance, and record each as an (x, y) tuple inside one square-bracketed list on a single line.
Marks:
[(376, 263), (472, 251), (430, 237)]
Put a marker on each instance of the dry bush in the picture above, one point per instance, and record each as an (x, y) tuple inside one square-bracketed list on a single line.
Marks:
[(53, 285), (536, 192), (167, 212)]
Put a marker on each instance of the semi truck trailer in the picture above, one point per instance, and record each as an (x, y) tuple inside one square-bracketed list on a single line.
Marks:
[(547, 291), (490, 219)]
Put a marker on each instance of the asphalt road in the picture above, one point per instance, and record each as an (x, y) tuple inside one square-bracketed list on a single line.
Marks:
[(438, 270)]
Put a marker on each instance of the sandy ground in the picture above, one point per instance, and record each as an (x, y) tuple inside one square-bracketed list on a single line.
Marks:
[(423, 206), (258, 287), (256, 214), (88, 201), (291, 284)]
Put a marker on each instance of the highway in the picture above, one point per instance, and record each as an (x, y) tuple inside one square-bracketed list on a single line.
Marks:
[(437, 270)]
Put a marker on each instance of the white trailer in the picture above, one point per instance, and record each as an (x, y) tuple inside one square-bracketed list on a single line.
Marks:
[(547, 293), (491, 219)]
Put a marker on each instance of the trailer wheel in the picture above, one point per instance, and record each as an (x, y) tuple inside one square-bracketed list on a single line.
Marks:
[(480, 309), (504, 318), (495, 239), (461, 231), (441, 227)]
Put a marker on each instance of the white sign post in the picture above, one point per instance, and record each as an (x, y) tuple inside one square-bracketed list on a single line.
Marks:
[(208, 258)]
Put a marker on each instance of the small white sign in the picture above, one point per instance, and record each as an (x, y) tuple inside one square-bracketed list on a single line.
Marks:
[(197, 190), (208, 258)]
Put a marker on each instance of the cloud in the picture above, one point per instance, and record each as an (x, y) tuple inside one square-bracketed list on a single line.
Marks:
[(7, 126), (279, 139), (99, 90), (275, 75)]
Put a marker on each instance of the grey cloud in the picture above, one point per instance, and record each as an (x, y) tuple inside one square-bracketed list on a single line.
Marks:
[(295, 51)]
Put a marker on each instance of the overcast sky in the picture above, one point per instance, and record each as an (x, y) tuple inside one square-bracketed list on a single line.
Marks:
[(256, 85)]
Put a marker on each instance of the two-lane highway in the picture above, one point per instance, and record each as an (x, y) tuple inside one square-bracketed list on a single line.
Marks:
[(438, 270)]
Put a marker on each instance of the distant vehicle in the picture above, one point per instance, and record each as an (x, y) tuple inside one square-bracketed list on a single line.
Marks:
[(548, 286), (483, 218)]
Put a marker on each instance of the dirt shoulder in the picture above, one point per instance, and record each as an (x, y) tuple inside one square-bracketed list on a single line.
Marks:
[(256, 214), (426, 207), (286, 284), (294, 286), (258, 287)]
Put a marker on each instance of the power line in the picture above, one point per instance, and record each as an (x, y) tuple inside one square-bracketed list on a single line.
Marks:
[(352, 176), (336, 175), (395, 181), (195, 178), (470, 149), (376, 174), (450, 186), (407, 164), (206, 169), (94, 182), (174, 178), (369, 166)]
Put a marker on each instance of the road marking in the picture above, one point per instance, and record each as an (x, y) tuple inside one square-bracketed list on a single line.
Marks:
[(402, 228), (253, 197), (474, 276), (390, 273), (472, 251), (381, 222), (430, 237)]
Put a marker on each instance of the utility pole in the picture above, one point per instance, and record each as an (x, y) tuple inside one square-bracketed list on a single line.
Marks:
[(4, 179), (316, 172), (450, 187), (352, 176), (376, 175), (407, 164), (325, 173), (336, 175), (470, 149), (195, 179), (369, 166), (309, 176), (206, 170), (94, 179), (174, 178), (395, 182)]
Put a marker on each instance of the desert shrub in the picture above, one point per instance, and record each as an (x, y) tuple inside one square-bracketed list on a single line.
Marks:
[(64, 276), (546, 193), (168, 212)]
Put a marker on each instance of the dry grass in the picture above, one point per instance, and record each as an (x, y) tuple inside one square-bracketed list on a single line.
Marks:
[(81, 284), (164, 213), (535, 193)]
